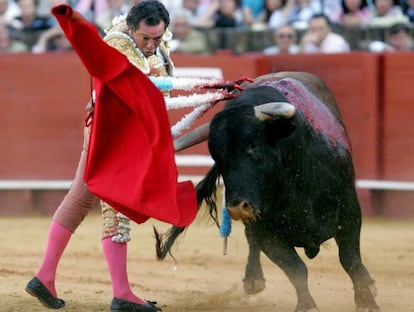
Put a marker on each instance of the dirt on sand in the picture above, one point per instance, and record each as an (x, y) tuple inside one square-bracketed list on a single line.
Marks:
[(203, 279)]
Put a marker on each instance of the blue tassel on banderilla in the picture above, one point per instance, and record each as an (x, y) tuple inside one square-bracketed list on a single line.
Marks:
[(225, 227)]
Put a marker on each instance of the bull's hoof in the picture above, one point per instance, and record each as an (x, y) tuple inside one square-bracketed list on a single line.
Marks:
[(366, 301), (306, 305), (253, 286), (374, 308)]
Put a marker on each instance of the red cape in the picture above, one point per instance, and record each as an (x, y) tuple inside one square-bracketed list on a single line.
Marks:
[(130, 163)]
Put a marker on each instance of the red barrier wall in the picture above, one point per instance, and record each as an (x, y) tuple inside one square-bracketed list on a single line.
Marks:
[(43, 97), (397, 132), (42, 110)]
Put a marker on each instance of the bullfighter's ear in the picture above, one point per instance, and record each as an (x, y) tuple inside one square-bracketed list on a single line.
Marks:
[(274, 110)]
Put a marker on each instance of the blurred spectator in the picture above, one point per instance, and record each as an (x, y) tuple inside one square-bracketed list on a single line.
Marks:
[(28, 26), (276, 13), (330, 7), (58, 43), (204, 18), (52, 39), (222, 13), (186, 39), (53, 3), (191, 5), (228, 14), (8, 44), (285, 38), (386, 13), (115, 8), (196, 7), (353, 13), (319, 38), (408, 9), (91, 9), (43, 8), (131, 3), (4, 17), (253, 11), (8, 11), (398, 39), (300, 12), (172, 5)]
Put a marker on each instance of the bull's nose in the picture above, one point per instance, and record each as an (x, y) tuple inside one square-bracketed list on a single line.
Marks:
[(242, 211)]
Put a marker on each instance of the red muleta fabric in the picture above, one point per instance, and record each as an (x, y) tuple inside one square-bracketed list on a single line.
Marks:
[(130, 163)]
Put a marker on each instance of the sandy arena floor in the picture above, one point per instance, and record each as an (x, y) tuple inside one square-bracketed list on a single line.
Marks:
[(203, 279)]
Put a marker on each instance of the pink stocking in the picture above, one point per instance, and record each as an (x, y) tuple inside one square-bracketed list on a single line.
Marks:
[(116, 259), (58, 239)]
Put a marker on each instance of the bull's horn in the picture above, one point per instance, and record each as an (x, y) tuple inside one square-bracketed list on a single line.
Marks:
[(274, 110), (196, 136)]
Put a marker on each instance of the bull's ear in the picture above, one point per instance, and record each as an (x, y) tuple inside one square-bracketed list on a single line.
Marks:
[(274, 110)]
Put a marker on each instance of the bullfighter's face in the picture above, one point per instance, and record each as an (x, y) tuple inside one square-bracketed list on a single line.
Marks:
[(148, 38)]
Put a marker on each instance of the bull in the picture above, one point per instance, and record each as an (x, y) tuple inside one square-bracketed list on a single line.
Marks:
[(284, 155)]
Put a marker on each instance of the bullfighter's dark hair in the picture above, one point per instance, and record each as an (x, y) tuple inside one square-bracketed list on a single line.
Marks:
[(152, 12)]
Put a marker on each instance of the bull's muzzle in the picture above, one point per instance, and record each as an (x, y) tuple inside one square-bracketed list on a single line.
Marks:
[(243, 211)]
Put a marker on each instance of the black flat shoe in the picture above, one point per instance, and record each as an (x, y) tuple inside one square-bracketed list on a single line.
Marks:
[(119, 305), (36, 288)]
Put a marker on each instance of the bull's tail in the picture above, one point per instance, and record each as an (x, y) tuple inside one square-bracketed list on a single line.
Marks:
[(206, 191), (165, 241)]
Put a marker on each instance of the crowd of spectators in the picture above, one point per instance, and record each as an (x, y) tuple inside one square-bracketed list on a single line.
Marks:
[(297, 26)]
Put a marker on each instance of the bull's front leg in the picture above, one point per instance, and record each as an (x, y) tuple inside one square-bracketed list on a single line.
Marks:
[(285, 256), (253, 281), (350, 256)]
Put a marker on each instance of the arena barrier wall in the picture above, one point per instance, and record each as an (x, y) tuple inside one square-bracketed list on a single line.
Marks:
[(42, 111), (397, 135)]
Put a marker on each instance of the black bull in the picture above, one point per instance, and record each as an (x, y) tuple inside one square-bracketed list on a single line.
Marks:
[(288, 175)]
